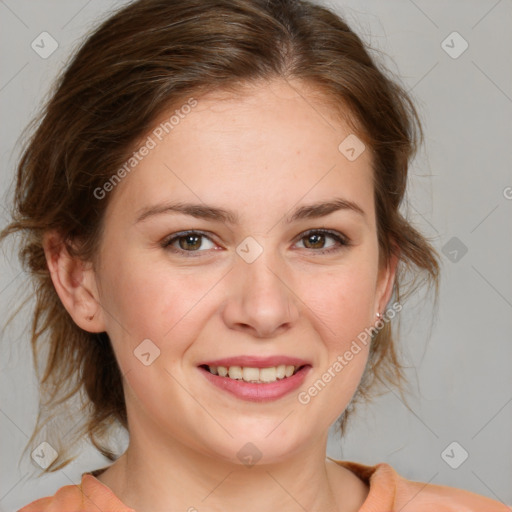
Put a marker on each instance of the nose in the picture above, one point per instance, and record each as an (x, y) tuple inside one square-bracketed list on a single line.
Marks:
[(261, 301)]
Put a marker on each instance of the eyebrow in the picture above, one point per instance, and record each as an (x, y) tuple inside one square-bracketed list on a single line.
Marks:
[(208, 212)]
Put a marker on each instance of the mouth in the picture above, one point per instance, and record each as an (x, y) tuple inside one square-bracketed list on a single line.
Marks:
[(253, 374), (256, 379)]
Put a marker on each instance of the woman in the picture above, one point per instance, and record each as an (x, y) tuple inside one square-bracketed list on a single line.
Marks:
[(211, 216)]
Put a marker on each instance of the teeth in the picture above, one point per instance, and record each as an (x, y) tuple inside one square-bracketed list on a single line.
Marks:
[(289, 371), (249, 374), (267, 375), (235, 372)]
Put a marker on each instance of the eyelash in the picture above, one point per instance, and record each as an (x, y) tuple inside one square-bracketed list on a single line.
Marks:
[(342, 241)]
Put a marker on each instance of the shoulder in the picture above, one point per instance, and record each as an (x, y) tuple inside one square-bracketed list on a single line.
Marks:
[(68, 497), (421, 497), (389, 489), (90, 496)]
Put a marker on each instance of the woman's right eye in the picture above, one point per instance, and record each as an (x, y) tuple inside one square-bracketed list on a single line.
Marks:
[(185, 242)]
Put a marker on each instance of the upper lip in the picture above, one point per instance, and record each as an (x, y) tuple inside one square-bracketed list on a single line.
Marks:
[(256, 361)]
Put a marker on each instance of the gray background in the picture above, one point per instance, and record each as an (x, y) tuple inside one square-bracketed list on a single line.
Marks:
[(460, 363)]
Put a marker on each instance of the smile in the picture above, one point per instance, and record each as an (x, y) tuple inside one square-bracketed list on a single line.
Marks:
[(255, 384), (257, 375)]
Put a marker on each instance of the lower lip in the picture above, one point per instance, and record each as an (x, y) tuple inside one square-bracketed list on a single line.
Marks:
[(255, 392)]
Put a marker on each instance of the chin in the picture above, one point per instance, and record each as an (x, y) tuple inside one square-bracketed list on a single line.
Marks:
[(255, 446)]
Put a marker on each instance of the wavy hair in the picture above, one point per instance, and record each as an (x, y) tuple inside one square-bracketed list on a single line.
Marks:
[(141, 61)]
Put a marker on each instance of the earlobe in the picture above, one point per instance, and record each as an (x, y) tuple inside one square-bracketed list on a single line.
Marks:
[(74, 282)]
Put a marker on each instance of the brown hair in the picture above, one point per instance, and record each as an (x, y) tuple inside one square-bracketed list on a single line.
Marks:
[(139, 62)]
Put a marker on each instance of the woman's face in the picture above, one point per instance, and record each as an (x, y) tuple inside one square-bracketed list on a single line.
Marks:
[(249, 287)]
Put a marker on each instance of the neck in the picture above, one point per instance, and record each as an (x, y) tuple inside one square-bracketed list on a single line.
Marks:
[(148, 477)]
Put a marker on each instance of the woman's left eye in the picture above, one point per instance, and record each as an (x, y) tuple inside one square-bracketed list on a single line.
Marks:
[(191, 241), (318, 236)]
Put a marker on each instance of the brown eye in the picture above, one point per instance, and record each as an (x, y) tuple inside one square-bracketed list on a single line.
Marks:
[(316, 240), (187, 242)]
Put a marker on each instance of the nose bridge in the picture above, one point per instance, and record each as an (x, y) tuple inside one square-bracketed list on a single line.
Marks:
[(261, 267), (263, 300), (265, 273)]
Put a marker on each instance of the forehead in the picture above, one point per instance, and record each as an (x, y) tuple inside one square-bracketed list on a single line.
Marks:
[(271, 143)]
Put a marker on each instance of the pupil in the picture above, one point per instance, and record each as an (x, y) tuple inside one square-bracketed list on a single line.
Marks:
[(318, 237), (187, 238)]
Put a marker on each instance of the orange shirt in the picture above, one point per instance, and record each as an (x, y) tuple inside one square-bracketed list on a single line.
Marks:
[(389, 492)]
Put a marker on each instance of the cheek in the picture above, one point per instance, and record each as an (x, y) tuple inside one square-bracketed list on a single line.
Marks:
[(343, 301), (342, 309), (151, 300)]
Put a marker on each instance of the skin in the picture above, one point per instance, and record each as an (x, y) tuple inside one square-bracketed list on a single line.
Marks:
[(261, 154)]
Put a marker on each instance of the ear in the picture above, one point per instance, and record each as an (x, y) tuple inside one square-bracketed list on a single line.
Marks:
[(386, 280), (75, 283)]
